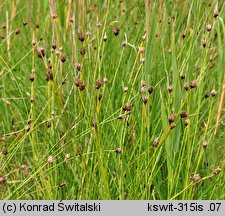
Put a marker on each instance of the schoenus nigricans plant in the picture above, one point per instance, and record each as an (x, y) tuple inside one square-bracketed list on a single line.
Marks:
[(119, 150), (5, 151), (77, 81), (100, 96), (207, 94), (217, 171), (183, 75), (193, 84), (48, 124), (170, 89), (2, 179), (196, 178), (183, 114), (150, 89), (17, 31), (213, 93), (80, 37), (155, 142), (127, 107), (105, 37), (172, 118), (77, 66), (82, 86), (40, 51), (98, 84), (116, 31), (31, 77), (51, 159), (25, 22), (208, 27), (49, 74), (203, 43), (172, 126), (186, 86), (54, 44), (145, 99), (82, 51), (94, 124), (63, 58)]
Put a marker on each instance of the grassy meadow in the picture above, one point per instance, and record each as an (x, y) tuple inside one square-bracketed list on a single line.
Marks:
[(112, 99)]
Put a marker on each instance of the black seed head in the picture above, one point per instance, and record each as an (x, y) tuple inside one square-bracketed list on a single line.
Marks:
[(77, 81), (172, 118), (208, 27), (207, 94), (105, 38), (203, 42), (125, 89), (100, 96), (193, 84), (183, 35), (40, 51), (25, 22), (183, 114), (2, 179), (32, 99), (116, 31), (31, 77), (119, 150), (48, 124), (216, 13), (145, 99), (17, 31), (80, 37), (5, 151), (55, 15), (127, 107), (94, 124), (98, 84), (172, 126), (63, 58), (49, 75), (123, 116), (183, 75), (64, 81), (78, 66), (82, 51), (205, 144), (186, 123), (33, 42), (27, 128), (213, 93), (155, 142), (82, 86), (143, 83), (30, 121), (217, 171), (150, 89), (186, 86), (170, 89), (196, 178), (53, 44), (3, 26)]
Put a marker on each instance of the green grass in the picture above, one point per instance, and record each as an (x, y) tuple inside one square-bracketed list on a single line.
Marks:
[(83, 133)]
